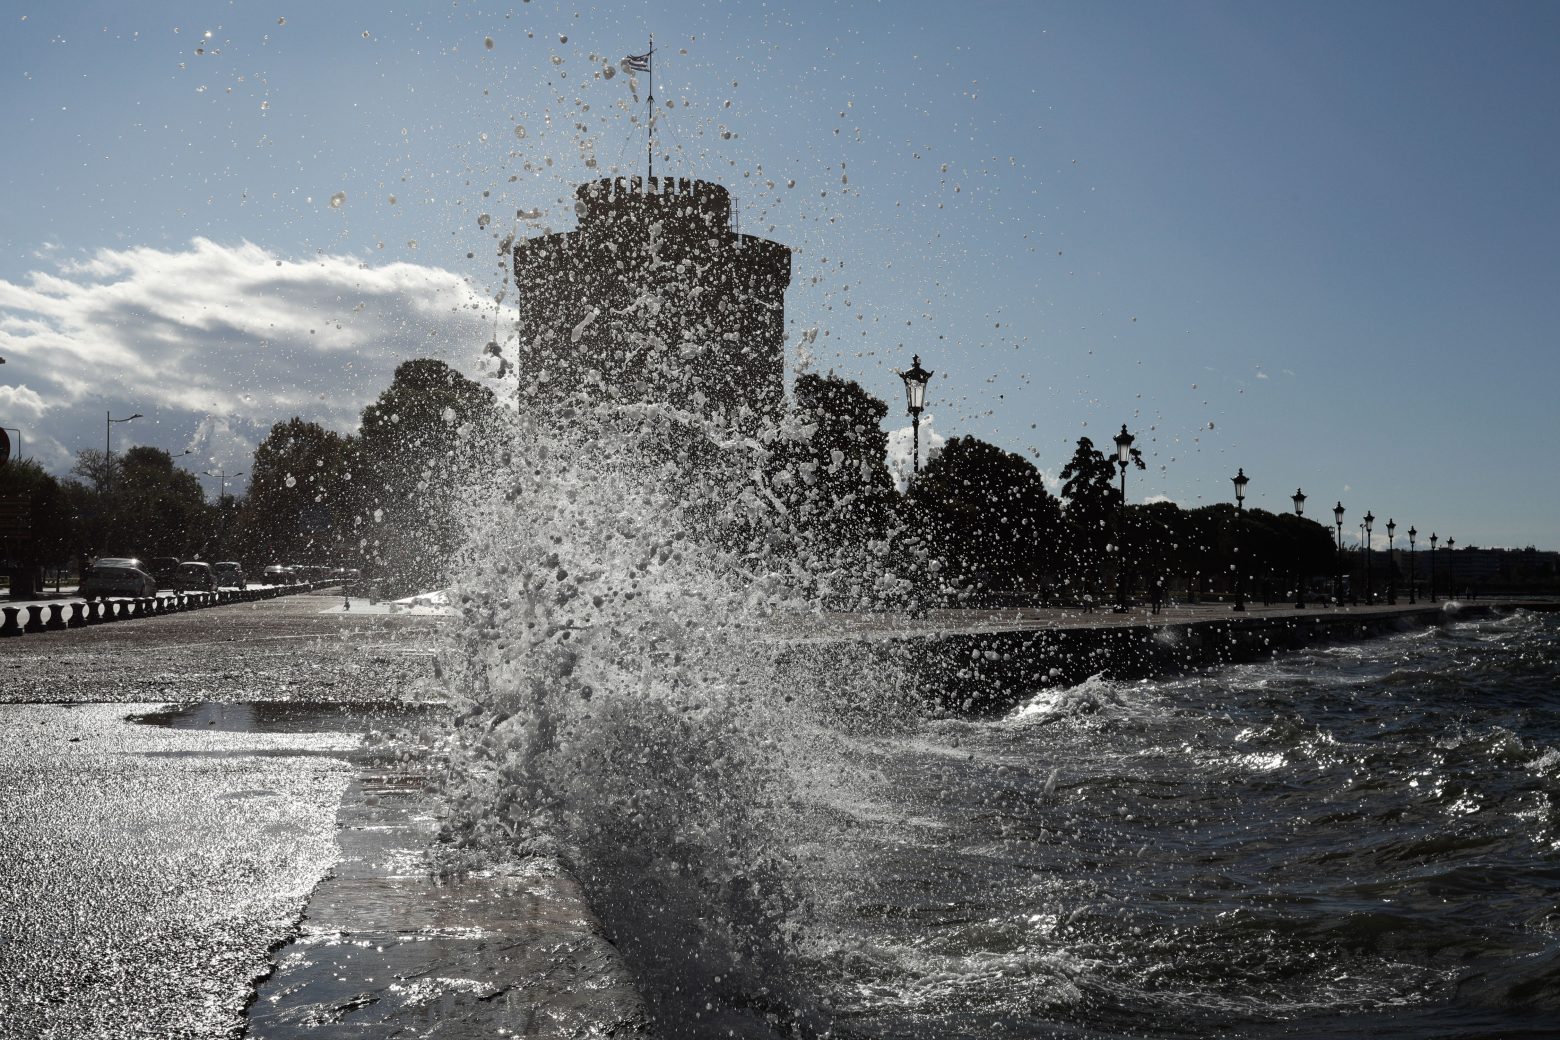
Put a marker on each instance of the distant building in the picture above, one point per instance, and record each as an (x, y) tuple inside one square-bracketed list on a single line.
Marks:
[(654, 298)]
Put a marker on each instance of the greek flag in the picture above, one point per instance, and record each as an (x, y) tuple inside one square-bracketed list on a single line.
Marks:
[(637, 62)]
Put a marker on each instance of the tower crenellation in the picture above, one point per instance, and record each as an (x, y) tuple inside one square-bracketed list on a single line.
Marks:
[(655, 297)]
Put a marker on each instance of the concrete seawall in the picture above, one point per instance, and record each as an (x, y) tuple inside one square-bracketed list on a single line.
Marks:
[(986, 662)]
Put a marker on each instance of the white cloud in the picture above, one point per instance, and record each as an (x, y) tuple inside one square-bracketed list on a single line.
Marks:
[(213, 343), (20, 404), (1149, 500), (901, 447)]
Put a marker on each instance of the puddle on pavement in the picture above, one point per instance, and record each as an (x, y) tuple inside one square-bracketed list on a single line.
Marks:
[(386, 948), (285, 717)]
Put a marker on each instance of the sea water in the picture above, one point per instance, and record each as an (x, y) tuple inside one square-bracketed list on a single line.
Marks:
[(781, 840), (1357, 841)]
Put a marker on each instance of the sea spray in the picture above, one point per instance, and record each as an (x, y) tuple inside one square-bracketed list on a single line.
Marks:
[(624, 695)]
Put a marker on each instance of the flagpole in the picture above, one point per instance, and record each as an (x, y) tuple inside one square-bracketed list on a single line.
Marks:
[(650, 108)]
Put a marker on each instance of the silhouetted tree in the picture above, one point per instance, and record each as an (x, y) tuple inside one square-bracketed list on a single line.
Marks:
[(300, 503), (160, 509), (829, 471), (989, 519), (1088, 486), (136, 503), (39, 499), (842, 489), (425, 437)]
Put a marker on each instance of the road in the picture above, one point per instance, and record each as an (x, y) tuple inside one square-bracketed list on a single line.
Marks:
[(274, 649), (246, 864), (148, 871)]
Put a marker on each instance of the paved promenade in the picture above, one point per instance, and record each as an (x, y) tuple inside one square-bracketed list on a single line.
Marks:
[(236, 815), (965, 621)]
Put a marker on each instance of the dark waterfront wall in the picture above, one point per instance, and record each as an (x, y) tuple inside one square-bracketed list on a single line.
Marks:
[(654, 298), (991, 672)]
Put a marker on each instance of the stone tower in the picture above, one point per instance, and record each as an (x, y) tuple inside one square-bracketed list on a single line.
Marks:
[(654, 298)]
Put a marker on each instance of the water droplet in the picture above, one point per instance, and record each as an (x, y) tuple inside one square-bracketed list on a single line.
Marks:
[(338, 200), (487, 42), (291, 481)]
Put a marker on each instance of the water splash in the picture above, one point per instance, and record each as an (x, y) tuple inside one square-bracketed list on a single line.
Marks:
[(623, 696)]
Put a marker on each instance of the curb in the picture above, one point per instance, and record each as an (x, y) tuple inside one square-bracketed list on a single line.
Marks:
[(36, 618)]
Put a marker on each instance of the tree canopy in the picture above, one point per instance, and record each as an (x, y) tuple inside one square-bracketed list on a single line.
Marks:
[(422, 440), (989, 518)]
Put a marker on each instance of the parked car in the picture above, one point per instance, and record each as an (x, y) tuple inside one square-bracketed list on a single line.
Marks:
[(196, 577), (118, 561), (230, 573), (165, 569), (117, 576), (279, 574)]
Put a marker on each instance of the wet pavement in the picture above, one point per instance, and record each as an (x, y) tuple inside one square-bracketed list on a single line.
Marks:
[(217, 851), (386, 950), (148, 871), (274, 649)]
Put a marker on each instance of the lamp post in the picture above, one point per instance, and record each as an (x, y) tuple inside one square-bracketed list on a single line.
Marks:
[(223, 476), (1391, 566), (915, 397), (1432, 566), (1299, 500), (1240, 480), (1338, 557), (1451, 578), (1355, 590), (1123, 457), (1370, 589), (1413, 576), (108, 448)]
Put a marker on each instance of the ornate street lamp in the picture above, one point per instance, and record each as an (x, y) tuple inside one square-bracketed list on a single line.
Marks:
[(1391, 566), (1413, 575), (1123, 458), (1338, 557), (1240, 480), (1354, 591), (1432, 566), (1299, 500), (915, 398), (1370, 590), (1451, 578)]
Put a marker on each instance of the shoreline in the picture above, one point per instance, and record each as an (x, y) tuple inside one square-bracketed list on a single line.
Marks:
[(985, 663)]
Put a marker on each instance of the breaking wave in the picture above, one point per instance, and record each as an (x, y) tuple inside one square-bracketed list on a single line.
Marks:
[(621, 697)]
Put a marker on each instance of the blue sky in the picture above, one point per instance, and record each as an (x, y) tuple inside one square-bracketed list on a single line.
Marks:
[(1314, 241)]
